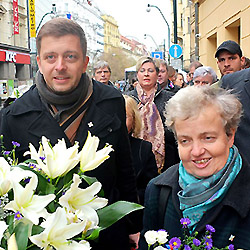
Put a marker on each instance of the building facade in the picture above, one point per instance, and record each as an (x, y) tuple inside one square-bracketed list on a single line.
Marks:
[(14, 46), (111, 33), (221, 20)]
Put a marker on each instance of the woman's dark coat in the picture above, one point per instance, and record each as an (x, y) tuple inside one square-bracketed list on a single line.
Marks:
[(230, 217), (143, 161), (27, 120)]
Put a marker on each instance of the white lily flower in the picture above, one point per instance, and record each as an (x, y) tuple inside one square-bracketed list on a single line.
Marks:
[(58, 161), (151, 237), (29, 205), (10, 174), (83, 200), (90, 158), (57, 233), (3, 227), (5, 181), (12, 245)]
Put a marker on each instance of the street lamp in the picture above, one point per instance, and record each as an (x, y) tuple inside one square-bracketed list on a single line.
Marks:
[(53, 11), (145, 36), (154, 6)]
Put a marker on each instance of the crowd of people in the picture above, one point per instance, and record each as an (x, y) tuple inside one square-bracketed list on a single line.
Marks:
[(180, 143)]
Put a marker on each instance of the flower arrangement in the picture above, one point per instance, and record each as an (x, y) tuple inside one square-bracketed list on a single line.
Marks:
[(41, 203), (158, 240)]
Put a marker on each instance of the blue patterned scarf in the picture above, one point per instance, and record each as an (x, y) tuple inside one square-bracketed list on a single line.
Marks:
[(199, 195)]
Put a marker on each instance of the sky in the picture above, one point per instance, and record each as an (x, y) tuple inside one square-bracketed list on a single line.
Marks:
[(134, 21)]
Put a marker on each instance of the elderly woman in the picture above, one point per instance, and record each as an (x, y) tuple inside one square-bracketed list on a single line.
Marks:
[(151, 101), (210, 185), (143, 159), (204, 75)]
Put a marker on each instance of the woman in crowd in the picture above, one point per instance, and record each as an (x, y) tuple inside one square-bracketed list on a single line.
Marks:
[(151, 101), (179, 80), (209, 185), (143, 159)]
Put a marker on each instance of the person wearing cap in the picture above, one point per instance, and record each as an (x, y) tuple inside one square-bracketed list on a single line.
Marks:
[(229, 58)]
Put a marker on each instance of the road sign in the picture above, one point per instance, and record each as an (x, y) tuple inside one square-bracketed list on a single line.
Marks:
[(175, 51), (157, 54)]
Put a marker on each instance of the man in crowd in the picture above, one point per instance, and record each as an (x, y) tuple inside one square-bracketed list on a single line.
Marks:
[(192, 67), (204, 75), (239, 82), (163, 76), (102, 73), (65, 103), (229, 59)]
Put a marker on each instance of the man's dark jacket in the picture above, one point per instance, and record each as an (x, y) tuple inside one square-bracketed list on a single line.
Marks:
[(27, 120), (240, 83), (230, 217)]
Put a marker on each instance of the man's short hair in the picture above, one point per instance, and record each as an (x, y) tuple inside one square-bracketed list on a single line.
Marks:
[(231, 46), (100, 65), (59, 27), (195, 64)]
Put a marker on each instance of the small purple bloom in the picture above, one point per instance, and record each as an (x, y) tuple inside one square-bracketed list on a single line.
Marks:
[(208, 243), (175, 242), (32, 165), (185, 222), (18, 215), (196, 242), (210, 228), (6, 152), (16, 144), (42, 158), (186, 247), (231, 247), (26, 180)]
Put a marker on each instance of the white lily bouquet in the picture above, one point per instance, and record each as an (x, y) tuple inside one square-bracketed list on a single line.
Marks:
[(42, 206)]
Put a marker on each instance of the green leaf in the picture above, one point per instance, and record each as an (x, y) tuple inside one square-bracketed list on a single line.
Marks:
[(21, 232), (94, 234), (114, 212), (37, 229)]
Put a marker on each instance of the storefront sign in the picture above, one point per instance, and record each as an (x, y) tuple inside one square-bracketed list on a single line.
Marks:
[(32, 18), (15, 17), (14, 56)]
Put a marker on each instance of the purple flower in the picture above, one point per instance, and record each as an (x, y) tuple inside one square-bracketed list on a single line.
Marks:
[(231, 247), (210, 228), (42, 158), (18, 215), (6, 152), (32, 165), (175, 242), (186, 247), (196, 242), (16, 144), (208, 243), (26, 180), (185, 222)]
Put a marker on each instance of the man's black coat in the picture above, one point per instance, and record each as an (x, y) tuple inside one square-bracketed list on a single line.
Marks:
[(239, 82)]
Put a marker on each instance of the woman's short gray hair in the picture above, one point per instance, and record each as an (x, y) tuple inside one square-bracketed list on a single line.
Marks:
[(205, 70), (190, 101)]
